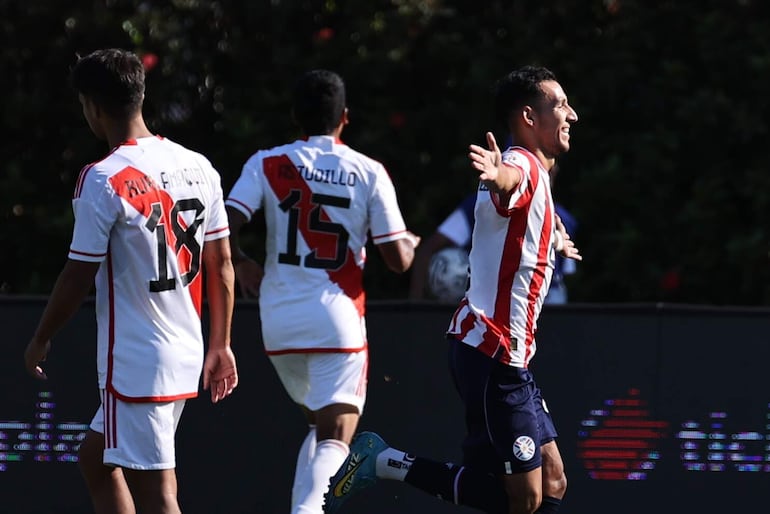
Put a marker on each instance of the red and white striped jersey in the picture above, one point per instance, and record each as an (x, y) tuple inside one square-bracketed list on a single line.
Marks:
[(511, 262), (144, 212), (321, 199)]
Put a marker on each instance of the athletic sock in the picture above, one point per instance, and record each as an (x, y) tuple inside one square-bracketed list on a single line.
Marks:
[(304, 456), (393, 464), (550, 505), (458, 485), (329, 456)]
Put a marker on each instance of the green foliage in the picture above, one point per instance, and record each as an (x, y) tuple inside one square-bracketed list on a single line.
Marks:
[(666, 175)]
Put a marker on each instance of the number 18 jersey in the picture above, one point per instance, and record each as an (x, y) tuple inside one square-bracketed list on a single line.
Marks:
[(320, 199), (144, 212)]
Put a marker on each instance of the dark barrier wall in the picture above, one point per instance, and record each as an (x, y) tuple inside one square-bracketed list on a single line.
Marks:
[(659, 408)]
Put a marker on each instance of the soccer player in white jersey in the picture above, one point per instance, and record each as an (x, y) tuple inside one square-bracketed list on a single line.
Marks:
[(321, 199), (148, 218), (511, 463)]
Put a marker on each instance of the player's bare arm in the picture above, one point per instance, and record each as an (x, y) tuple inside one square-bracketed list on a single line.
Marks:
[(248, 272), (399, 254), (488, 162), (219, 369), (72, 286), (563, 243)]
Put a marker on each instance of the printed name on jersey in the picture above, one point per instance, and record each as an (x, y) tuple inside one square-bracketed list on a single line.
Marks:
[(143, 184), (324, 175), (136, 183), (181, 177)]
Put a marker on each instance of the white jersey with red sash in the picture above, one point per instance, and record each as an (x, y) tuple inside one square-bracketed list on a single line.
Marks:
[(511, 262), (321, 199), (144, 212)]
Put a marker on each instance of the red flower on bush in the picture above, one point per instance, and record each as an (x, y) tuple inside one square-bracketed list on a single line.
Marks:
[(149, 61), (324, 34)]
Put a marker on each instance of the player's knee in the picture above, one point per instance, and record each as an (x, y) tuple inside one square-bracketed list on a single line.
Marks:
[(560, 486), (555, 487), (525, 502)]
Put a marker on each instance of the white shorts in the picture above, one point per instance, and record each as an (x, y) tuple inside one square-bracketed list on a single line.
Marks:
[(138, 435), (317, 380)]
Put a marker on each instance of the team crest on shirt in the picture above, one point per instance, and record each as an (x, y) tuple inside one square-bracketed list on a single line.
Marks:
[(524, 448)]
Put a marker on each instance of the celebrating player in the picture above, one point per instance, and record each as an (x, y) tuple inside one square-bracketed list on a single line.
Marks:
[(149, 217), (320, 198), (511, 463)]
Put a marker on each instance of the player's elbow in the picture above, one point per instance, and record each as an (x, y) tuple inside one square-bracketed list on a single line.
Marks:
[(399, 267), (398, 255)]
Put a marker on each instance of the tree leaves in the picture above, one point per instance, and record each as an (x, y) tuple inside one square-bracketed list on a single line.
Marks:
[(667, 174)]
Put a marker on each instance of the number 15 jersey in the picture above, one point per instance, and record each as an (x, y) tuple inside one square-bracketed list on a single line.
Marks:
[(144, 212), (320, 199)]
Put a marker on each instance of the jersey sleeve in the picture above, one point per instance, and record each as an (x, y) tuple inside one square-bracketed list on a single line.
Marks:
[(217, 225), (246, 194), (515, 159), (386, 221), (95, 210)]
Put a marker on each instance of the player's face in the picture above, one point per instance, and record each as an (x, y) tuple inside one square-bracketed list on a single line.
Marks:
[(555, 116), (91, 114)]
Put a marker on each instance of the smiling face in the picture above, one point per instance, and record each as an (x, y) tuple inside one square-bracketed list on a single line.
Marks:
[(551, 119)]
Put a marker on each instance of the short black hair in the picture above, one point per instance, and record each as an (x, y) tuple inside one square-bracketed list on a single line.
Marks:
[(112, 78), (319, 101), (519, 88)]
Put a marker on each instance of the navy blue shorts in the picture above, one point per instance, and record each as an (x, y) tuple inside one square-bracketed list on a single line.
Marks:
[(505, 416)]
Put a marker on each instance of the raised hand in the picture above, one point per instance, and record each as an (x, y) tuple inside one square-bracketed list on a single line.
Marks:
[(486, 162)]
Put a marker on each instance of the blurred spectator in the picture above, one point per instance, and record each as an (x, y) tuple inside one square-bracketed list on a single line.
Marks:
[(455, 230)]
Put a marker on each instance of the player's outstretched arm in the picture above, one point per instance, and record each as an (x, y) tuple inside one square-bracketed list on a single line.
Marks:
[(220, 373), (498, 177), (72, 286)]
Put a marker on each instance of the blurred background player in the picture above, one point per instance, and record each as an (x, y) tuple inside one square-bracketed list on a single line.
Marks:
[(454, 231), (148, 218), (511, 462), (320, 198)]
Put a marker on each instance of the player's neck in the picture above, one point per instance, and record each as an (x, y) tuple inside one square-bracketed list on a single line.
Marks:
[(118, 133), (546, 160)]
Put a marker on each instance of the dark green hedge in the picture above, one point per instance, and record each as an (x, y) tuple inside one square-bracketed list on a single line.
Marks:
[(667, 177)]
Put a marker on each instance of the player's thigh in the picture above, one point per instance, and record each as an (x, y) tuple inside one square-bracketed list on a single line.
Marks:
[(501, 413), (292, 371), (338, 378), (318, 380), (138, 435), (512, 419), (554, 478)]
